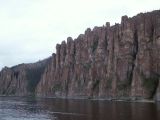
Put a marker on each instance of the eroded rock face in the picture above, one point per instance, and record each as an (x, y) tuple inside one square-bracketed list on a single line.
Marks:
[(108, 62), (119, 61), (21, 80)]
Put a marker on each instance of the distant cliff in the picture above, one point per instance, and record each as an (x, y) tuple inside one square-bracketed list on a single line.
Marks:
[(119, 61), (21, 80)]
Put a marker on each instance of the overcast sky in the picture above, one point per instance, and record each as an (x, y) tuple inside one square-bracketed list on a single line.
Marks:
[(30, 29)]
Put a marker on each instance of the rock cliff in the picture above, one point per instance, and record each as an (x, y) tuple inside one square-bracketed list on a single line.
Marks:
[(21, 80), (119, 61)]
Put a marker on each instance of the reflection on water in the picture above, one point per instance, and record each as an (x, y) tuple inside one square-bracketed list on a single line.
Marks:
[(17, 108)]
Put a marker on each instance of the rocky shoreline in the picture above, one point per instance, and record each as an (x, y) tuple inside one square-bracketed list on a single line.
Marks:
[(92, 99)]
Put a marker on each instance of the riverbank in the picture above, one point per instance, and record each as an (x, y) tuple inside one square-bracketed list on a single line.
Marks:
[(127, 99)]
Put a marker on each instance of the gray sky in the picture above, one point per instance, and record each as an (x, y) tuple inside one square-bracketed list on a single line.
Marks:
[(30, 29)]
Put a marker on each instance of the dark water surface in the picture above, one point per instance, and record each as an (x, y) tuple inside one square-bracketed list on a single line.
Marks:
[(18, 108)]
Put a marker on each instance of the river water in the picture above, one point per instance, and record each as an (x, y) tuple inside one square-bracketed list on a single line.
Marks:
[(18, 108)]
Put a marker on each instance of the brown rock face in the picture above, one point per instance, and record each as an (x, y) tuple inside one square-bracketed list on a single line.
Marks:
[(21, 80), (120, 61), (108, 62)]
